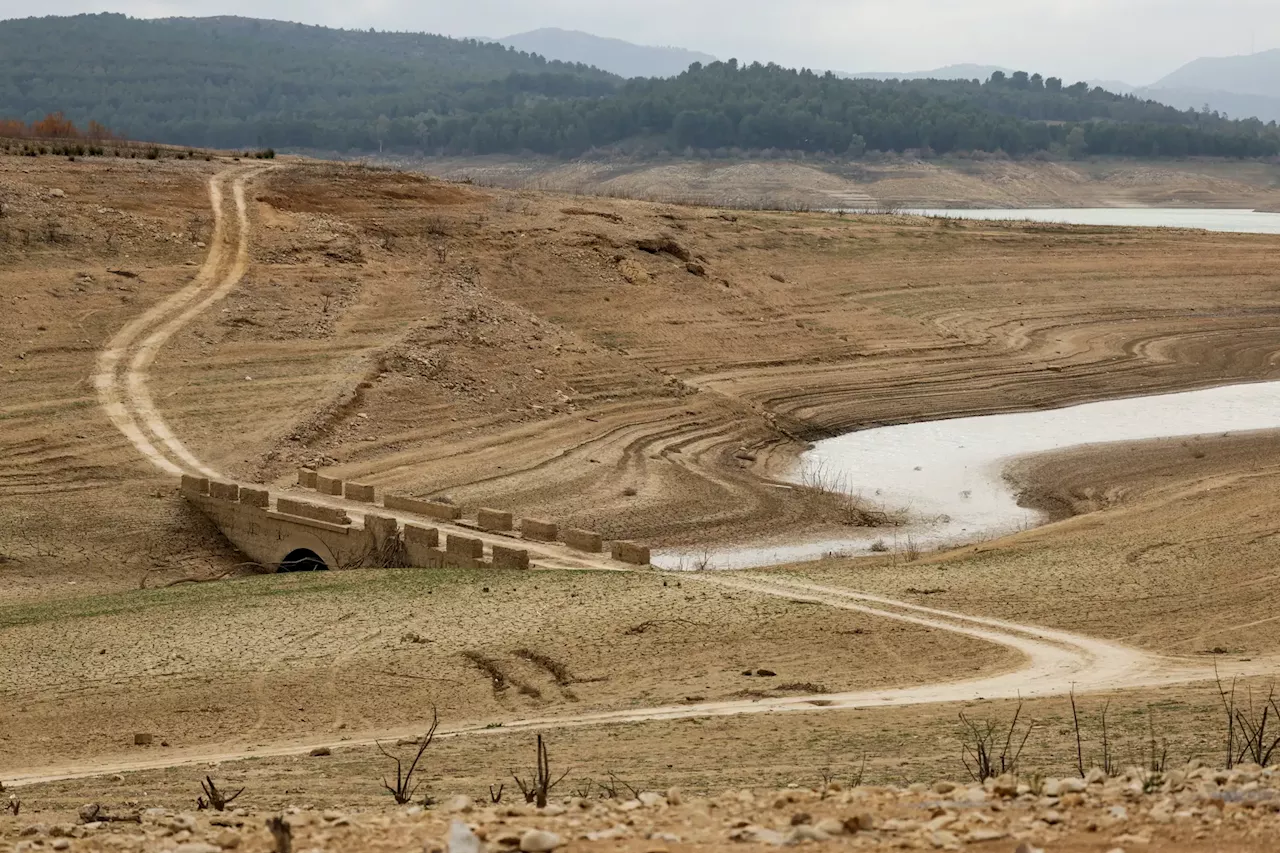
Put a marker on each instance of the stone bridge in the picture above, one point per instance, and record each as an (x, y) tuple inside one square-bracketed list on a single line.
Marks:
[(340, 525)]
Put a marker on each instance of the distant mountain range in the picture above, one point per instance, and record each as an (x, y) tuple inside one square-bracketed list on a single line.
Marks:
[(1240, 86), (613, 55)]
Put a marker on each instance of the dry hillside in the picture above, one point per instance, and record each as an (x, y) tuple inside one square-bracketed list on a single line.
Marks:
[(643, 368)]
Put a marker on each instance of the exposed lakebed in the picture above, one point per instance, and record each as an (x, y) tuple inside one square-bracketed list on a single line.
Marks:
[(947, 477)]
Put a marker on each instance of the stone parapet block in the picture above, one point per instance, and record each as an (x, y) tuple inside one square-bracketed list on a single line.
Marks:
[(420, 547), (427, 537), (330, 514), (431, 509), (539, 530), (224, 491), (630, 552), (260, 498), (464, 545), (381, 528), (307, 478), (358, 492), (510, 558), (195, 485), (494, 519), (583, 540), (328, 485)]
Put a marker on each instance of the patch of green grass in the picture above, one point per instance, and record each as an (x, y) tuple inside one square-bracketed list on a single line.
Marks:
[(257, 588)]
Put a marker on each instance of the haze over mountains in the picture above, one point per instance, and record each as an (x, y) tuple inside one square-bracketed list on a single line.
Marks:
[(1237, 85), (613, 55)]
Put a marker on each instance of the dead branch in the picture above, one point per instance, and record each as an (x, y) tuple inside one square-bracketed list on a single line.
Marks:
[(536, 790), (978, 745), (218, 799), (405, 787), (282, 833)]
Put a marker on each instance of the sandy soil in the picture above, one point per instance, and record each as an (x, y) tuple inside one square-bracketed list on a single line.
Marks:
[(563, 356), (727, 755), (245, 664), (1191, 808)]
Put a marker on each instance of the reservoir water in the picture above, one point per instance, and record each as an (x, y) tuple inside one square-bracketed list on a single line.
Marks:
[(1240, 221), (947, 477)]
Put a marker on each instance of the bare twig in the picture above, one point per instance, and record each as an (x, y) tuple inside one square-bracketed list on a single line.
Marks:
[(1257, 743), (218, 799), (405, 787), (979, 742), (282, 833), (536, 790), (1075, 719)]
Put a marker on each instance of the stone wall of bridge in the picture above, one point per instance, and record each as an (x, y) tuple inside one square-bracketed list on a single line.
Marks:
[(286, 532)]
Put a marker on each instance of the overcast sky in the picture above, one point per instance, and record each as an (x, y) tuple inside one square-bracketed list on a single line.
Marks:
[(1137, 41)]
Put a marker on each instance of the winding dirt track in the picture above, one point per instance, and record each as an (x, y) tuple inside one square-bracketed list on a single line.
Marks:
[(1055, 661)]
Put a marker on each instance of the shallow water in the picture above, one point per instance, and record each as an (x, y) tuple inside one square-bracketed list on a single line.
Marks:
[(1242, 221), (947, 476)]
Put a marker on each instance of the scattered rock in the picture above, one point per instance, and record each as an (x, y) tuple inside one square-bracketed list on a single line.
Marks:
[(663, 245), (227, 839), (696, 269), (461, 804), (803, 833), (830, 826), (758, 835), (1072, 786), (864, 822), (981, 835), (1005, 786), (539, 841), (463, 840), (633, 272), (321, 752)]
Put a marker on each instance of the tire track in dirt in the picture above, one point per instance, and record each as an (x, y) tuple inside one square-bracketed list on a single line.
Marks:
[(120, 377)]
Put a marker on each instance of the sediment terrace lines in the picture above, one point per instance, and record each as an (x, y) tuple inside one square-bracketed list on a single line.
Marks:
[(1055, 660)]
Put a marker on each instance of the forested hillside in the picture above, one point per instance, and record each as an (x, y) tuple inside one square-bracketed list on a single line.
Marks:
[(727, 106), (229, 82), (232, 82)]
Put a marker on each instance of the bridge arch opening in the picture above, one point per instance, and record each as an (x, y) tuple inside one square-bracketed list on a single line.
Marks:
[(303, 560)]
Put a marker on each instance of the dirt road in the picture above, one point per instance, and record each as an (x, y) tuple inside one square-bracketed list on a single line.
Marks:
[(121, 378), (1057, 662)]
